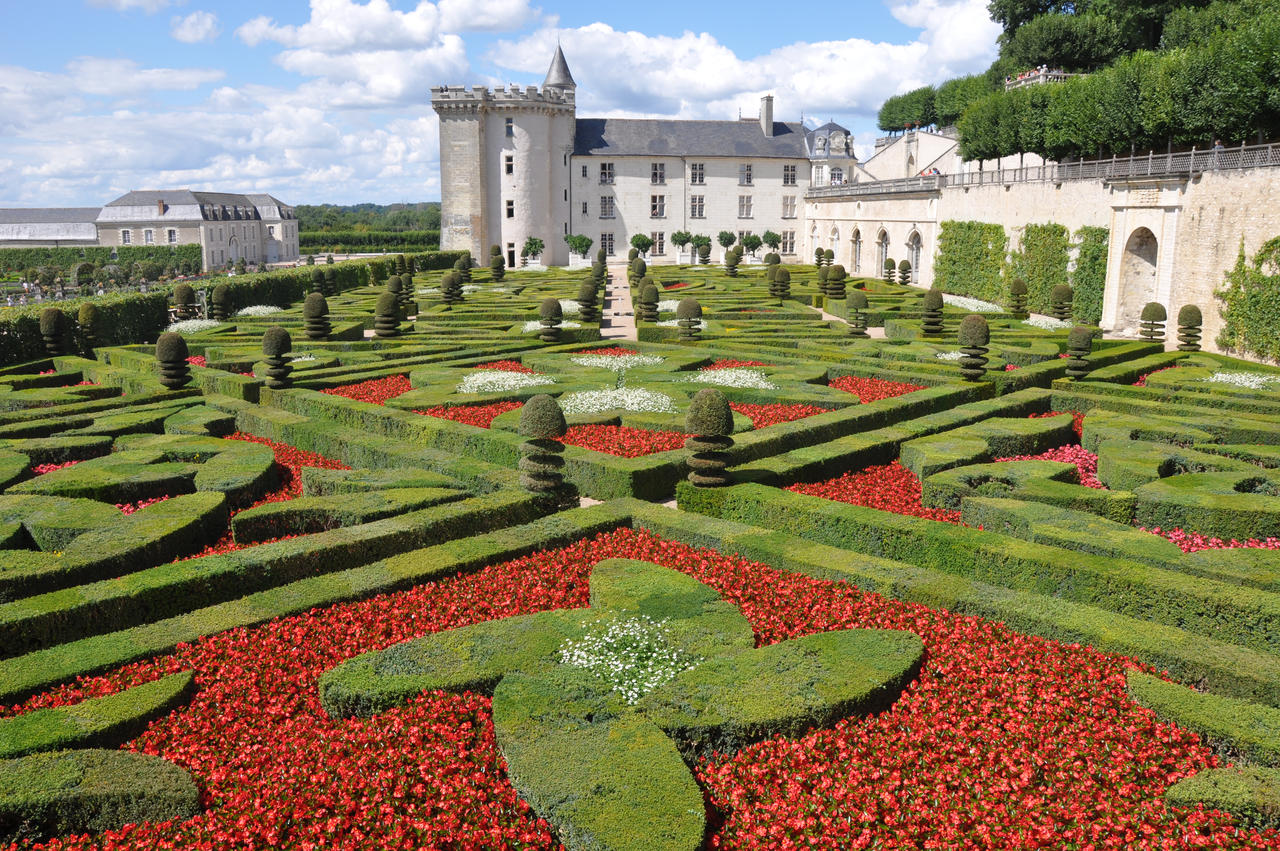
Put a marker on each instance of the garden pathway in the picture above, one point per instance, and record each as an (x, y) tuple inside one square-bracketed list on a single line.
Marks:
[(618, 317)]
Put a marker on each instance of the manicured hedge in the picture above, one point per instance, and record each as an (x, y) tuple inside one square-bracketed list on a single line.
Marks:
[(122, 318), (1237, 729), (1250, 794), (15, 259)]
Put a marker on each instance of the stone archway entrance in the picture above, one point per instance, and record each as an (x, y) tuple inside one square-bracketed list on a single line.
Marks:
[(1137, 277)]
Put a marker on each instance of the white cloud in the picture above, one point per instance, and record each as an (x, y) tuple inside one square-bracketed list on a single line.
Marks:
[(122, 77), (196, 27), (341, 25), (148, 6), (484, 15)]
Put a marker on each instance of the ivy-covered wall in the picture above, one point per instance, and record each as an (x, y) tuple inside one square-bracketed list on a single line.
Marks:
[(1090, 275), (971, 257), (1041, 261), (1250, 300)]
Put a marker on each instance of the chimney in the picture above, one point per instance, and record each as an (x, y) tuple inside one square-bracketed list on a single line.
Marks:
[(766, 115), (160, 207)]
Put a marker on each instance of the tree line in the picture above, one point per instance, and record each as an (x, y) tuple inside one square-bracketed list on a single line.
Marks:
[(422, 216)]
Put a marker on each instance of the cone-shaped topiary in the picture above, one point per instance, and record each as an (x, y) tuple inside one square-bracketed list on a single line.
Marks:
[(497, 266), (87, 319), (315, 317), (835, 281), (932, 306), (550, 314), (1079, 345), (780, 284), (857, 306), (220, 303), (689, 318), (386, 316), (904, 272), (317, 280), (587, 300), (171, 360), (1018, 298), (1189, 322), (53, 326), (1060, 298), (276, 345), (184, 301), (648, 308), (542, 425), (973, 336), (1152, 322), (710, 422), (889, 269)]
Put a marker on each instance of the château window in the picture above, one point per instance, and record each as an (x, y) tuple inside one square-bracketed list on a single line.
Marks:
[(511, 127), (696, 206), (149, 236), (606, 242), (584, 208), (744, 206), (584, 169), (606, 172), (788, 175), (743, 234), (657, 172), (657, 206), (857, 251), (659, 242), (511, 209), (788, 242), (510, 162), (606, 207), (271, 232), (744, 174), (173, 235), (788, 206), (126, 237), (698, 173)]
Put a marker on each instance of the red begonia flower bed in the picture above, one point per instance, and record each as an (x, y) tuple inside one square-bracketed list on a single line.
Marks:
[(1190, 542), (873, 389), (678, 285), (1142, 379), (1077, 419), (731, 363), (375, 390), (506, 366), (763, 416), (1086, 462), (1004, 741), (888, 487), (608, 350), (196, 360), (476, 415), (623, 440), (41, 469)]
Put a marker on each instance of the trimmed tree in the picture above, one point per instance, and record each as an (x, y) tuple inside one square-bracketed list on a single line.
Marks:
[(771, 239), (731, 260), (541, 455), (974, 336), (1018, 298), (1060, 299), (641, 243), (550, 316), (857, 307), (1189, 322), (752, 243), (184, 301), (587, 300), (386, 316), (680, 239), (904, 272), (780, 287), (704, 252), (1079, 345), (87, 319), (171, 361), (533, 247), (932, 325), (463, 267), (497, 266), (315, 317), (53, 327), (835, 281), (889, 269), (648, 307), (1152, 322), (276, 345), (689, 318), (726, 238), (317, 280), (710, 422), (220, 303)]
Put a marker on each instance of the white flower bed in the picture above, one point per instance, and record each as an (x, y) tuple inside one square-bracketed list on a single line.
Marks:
[(467, 289), (668, 305), (633, 655), (500, 380), (973, 305), (734, 377), (949, 355), (617, 363), (535, 325), (429, 291), (298, 356), (621, 399), (1046, 323), (1247, 380), (193, 326), (569, 307), (259, 310), (675, 323)]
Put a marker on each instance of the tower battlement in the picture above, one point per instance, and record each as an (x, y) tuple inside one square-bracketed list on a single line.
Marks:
[(512, 96)]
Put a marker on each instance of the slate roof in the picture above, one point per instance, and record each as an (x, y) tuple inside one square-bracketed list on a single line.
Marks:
[(49, 215), (674, 138), (177, 197), (558, 74)]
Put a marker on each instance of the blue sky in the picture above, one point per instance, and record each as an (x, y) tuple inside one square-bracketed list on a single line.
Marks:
[(328, 101)]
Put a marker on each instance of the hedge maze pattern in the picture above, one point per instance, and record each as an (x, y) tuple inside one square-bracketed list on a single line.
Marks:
[(632, 660)]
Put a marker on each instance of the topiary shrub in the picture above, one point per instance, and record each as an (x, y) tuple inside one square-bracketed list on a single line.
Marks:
[(638, 268), (835, 281), (386, 316), (1152, 322), (973, 336), (276, 345), (599, 274), (87, 319), (402, 265), (550, 315), (633, 255), (710, 422), (889, 268), (587, 300), (780, 284), (220, 303), (451, 288), (857, 306), (818, 256), (731, 260), (1189, 322), (823, 272), (1018, 298), (704, 253), (772, 259), (317, 280), (184, 301), (53, 326), (648, 307), (171, 360), (542, 425), (497, 266), (932, 324), (1060, 299), (904, 272), (689, 318), (463, 267), (828, 256), (1079, 345), (330, 285), (315, 317)]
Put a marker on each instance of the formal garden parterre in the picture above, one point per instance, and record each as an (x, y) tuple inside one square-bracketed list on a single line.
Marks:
[(409, 556)]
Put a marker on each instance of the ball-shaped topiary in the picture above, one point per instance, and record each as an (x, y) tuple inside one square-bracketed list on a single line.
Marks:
[(704, 253), (973, 337), (1079, 345), (171, 360), (639, 269), (1018, 298), (395, 285), (710, 422), (856, 302), (315, 317), (689, 318), (1189, 321), (542, 425), (549, 315), (1152, 322), (495, 250), (87, 319), (648, 309), (931, 324), (220, 303), (1060, 299), (633, 254), (276, 345), (386, 316)]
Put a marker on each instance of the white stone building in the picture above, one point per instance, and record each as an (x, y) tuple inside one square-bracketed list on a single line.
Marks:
[(518, 163)]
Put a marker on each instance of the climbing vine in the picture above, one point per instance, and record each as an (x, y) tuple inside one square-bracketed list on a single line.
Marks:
[(1090, 275), (971, 256), (1251, 303), (1041, 262)]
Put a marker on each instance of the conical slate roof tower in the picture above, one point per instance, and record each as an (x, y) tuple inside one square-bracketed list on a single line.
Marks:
[(558, 75)]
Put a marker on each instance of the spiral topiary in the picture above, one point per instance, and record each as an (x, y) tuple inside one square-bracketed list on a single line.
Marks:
[(731, 260), (1152, 322), (550, 314), (184, 301), (53, 326), (890, 269), (315, 317), (1189, 322), (87, 319), (497, 266), (542, 425), (828, 256), (835, 281), (601, 257), (220, 303), (932, 324), (463, 267), (1060, 298), (587, 303), (823, 272), (451, 288), (780, 285), (402, 265), (171, 360), (648, 308), (689, 318), (409, 266), (904, 272), (276, 345), (599, 273), (1018, 298), (704, 253), (818, 256), (709, 422), (973, 336), (330, 286), (317, 280), (1079, 345), (856, 301), (386, 316)]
